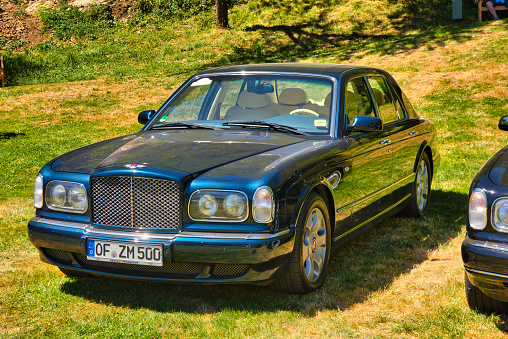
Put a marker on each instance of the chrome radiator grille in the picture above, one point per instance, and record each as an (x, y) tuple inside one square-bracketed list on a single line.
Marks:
[(135, 202)]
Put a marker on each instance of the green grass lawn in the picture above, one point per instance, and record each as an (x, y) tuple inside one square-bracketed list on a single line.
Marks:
[(402, 279)]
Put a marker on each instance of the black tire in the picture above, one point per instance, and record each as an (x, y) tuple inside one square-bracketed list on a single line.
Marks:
[(73, 273), (311, 253), (477, 300), (420, 190)]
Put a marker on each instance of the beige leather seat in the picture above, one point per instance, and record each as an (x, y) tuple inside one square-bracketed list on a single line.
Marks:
[(291, 99), (251, 106), (324, 111)]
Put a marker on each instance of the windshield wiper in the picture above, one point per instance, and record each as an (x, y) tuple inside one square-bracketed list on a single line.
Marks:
[(183, 125), (264, 124)]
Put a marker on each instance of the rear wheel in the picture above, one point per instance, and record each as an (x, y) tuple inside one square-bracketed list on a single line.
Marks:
[(420, 191), (311, 252), (477, 300)]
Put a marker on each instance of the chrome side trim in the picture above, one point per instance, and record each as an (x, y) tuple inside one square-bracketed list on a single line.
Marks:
[(351, 205), (374, 217), (487, 244)]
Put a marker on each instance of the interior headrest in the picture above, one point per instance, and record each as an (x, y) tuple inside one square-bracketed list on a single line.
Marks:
[(252, 100), (293, 97), (328, 100)]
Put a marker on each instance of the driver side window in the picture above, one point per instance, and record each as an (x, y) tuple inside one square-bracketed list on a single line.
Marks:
[(357, 99)]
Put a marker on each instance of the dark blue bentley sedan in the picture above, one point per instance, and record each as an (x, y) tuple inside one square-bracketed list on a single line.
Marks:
[(247, 174)]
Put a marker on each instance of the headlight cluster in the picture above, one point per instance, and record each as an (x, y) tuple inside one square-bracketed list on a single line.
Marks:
[(500, 215), (478, 209), (231, 206), (61, 196), (218, 205)]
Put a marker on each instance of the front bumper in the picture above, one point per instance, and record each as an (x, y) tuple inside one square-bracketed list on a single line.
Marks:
[(486, 265), (187, 256)]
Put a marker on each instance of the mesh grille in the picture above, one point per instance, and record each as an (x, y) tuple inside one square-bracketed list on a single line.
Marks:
[(226, 270), (135, 202), (176, 270), (57, 256)]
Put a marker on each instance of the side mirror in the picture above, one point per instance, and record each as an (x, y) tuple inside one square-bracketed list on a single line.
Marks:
[(503, 123), (145, 116), (364, 123)]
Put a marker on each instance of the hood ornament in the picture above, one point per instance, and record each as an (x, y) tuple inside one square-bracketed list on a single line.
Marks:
[(134, 166)]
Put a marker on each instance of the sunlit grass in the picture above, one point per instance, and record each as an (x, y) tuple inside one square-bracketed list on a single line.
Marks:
[(403, 278)]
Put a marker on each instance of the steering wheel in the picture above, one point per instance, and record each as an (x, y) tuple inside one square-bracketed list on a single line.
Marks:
[(303, 111)]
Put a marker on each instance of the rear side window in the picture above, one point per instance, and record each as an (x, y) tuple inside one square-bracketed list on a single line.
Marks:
[(384, 99)]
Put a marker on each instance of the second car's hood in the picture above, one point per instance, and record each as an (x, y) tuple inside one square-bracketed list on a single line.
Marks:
[(183, 150), (499, 171)]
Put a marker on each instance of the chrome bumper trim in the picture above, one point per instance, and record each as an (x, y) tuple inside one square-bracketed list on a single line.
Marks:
[(490, 274), (89, 230), (487, 244)]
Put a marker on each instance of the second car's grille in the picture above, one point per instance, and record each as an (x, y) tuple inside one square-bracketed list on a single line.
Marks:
[(135, 202)]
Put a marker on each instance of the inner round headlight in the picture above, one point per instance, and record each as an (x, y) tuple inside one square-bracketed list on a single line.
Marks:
[(207, 205), (58, 195), (234, 205), (500, 215), (77, 198)]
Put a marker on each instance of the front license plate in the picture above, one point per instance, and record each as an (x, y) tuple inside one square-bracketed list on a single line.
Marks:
[(127, 253)]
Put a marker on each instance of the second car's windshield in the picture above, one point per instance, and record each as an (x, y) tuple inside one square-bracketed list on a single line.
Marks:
[(301, 102)]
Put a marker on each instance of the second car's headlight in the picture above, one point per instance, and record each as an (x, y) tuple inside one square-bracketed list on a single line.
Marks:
[(66, 196), (478, 210), (500, 215), (211, 205)]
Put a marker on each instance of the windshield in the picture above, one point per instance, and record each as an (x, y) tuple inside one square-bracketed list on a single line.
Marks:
[(300, 102)]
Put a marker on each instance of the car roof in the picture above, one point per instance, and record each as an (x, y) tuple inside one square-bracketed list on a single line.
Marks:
[(291, 67)]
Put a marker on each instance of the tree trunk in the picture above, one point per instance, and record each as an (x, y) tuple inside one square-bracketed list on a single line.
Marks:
[(221, 20)]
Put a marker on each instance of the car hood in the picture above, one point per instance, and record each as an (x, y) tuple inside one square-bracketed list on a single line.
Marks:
[(499, 171), (190, 151)]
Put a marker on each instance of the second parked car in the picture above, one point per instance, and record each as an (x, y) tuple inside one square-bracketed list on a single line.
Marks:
[(485, 248)]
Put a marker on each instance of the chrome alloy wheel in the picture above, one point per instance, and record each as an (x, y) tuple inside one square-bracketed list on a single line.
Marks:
[(422, 185), (314, 245)]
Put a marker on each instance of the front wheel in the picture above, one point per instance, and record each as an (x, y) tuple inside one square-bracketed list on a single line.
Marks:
[(311, 252)]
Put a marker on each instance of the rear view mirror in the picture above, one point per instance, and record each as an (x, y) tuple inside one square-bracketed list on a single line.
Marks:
[(259, 88), (145, 116), (503, 123), (364, 123)]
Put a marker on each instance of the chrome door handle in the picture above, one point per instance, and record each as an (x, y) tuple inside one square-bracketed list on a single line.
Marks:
[(385, 142), (413, 132)]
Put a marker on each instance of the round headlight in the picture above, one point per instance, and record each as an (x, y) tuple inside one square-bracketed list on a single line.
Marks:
[(500, 215), (77, 198), (207, 205), (234, 205), (58, 195)]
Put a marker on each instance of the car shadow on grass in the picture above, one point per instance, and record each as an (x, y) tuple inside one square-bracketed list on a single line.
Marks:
[(358, 268)]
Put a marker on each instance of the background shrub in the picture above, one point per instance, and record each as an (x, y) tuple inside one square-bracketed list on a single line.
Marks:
[(66, 21)]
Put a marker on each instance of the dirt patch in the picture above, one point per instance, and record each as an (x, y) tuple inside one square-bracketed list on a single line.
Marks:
[(19, 23)]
